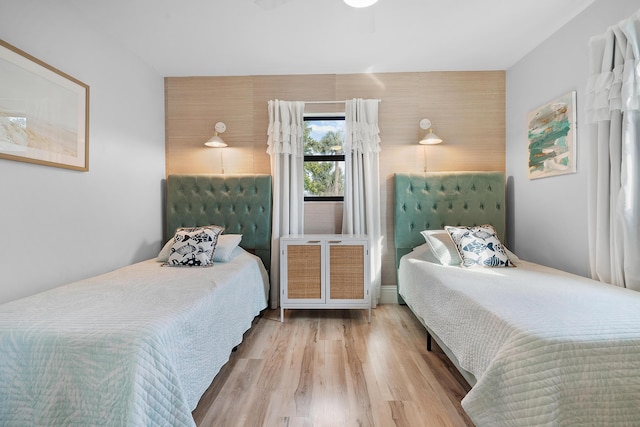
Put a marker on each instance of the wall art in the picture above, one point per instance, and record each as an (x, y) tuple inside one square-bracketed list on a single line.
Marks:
[(44, 113), (551, 135)]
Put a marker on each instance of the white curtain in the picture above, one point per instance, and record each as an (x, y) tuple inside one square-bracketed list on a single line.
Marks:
[(285, 147), (361, 212), (613, 109)]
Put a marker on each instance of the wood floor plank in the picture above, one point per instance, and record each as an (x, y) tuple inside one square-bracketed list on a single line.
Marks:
[(334, 368)]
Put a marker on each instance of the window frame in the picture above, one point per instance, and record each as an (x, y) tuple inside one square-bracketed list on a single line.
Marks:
[(324, 157)]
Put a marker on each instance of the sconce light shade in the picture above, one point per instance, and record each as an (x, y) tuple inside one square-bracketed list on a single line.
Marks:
[(430, 138), (215, 141), (360, 3)]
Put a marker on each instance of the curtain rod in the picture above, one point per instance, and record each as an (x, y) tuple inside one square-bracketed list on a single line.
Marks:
[(329, 102)]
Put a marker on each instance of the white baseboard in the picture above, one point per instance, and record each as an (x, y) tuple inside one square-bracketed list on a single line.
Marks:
[(388, 294)]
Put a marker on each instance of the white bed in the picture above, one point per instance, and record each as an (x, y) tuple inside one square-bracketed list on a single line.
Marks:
[(140, 345), (540, 347), (137, 346), (546, 347)]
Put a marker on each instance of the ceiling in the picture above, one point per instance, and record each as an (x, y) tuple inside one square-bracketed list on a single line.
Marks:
[(257, 37)]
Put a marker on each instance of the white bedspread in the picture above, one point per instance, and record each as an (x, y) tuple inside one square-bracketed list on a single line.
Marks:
[(137, 346), (548, 348)]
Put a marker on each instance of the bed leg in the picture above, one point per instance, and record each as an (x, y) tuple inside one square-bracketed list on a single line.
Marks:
[(428, 341)]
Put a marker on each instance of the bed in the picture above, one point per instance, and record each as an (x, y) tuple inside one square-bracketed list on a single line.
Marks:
[(540, 347), (140, 345)]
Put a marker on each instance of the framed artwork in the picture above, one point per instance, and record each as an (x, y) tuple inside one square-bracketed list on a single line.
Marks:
[(551, 135), (44, 113)]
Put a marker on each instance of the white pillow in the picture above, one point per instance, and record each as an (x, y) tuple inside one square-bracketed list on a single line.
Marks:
[(163, 256), (193, 247), (479, 246), (442, 246), (223, 252), (424, 253), (512, 257), (226, 244)]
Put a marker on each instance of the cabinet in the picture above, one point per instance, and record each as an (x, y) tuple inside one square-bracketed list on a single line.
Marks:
[(324, 271)]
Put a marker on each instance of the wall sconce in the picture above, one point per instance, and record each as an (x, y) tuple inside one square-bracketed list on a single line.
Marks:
[(429, 138), (216, 142), (360, 3)]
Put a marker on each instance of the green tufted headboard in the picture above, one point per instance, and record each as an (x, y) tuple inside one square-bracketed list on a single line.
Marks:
[(239, 203), (432, 200)]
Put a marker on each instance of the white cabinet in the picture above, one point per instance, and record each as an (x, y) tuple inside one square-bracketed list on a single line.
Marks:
[(324, 271)]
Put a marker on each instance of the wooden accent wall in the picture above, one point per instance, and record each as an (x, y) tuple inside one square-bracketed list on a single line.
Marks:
[(467, 110)]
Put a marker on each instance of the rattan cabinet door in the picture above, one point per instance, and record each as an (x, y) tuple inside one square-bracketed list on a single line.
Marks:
[(346, 272), (304, 272)]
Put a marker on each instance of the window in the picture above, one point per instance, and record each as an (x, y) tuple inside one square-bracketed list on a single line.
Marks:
[(323, 158)]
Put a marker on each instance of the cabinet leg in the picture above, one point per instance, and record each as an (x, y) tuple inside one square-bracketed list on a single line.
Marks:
[(281, 315)]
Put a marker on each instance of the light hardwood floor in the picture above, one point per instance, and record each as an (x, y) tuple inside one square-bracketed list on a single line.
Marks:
[(333, 368)]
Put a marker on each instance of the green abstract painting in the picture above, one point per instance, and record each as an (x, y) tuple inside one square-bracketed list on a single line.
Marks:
[(551, 134)]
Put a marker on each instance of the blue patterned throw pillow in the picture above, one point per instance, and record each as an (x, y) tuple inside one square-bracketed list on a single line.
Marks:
[(479, 246), (193, 247)]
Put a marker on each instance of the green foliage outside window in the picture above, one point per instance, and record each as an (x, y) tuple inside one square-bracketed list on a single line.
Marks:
[(325, 176)]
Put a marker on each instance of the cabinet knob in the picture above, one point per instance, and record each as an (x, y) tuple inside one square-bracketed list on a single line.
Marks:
[(335, 241), (313, 241)]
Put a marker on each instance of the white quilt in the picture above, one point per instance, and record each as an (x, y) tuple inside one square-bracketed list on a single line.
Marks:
[(548, 348), (137, 346)]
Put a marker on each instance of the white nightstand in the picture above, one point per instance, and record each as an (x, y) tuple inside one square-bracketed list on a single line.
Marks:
[(324, 271)]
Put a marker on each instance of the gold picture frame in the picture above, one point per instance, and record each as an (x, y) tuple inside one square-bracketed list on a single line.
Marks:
[(44, 113)]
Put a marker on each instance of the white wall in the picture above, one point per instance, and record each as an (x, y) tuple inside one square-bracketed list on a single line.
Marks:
[(547, 217), (57, 225)]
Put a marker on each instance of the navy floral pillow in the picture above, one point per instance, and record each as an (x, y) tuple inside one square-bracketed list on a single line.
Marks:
[(193, 247), (479, 246)]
